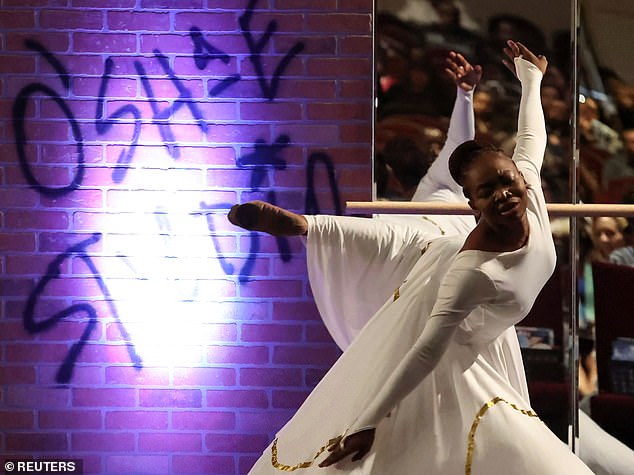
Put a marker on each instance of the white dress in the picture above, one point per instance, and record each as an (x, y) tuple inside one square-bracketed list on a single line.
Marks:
[(437, 370)]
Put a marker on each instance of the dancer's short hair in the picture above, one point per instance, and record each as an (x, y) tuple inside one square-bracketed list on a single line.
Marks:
[(464, 155)]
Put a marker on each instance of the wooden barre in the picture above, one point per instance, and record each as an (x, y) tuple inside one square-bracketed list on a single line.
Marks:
[(438, 207)]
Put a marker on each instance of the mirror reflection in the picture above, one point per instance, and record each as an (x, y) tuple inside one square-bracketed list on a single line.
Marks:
[(414, 100)]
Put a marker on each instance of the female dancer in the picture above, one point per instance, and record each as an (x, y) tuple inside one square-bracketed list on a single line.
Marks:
[(432, 384)]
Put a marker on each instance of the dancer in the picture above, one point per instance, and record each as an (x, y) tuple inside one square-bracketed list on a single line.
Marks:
[(433, 379)]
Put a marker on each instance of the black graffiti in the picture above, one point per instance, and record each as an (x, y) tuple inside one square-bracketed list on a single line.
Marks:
[(312, 204), (21, 138), (35, 325), (204, 52), (104, 125), (264, 158), (269, 89)]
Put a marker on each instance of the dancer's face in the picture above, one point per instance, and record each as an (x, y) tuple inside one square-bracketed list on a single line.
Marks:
[(496, 189)]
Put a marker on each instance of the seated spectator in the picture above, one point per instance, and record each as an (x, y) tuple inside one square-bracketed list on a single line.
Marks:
[(625, 255), (603, 236), (621, 164)]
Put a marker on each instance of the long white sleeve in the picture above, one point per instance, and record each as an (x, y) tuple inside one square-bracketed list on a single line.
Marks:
[(531, 127), (459, 294), (461, 129)]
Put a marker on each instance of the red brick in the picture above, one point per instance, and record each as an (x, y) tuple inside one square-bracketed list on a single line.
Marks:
[(170, 398), (305, 355), (271, 288), (107, 441), (204, 377), (203, 464), (17, 242), (237, 398), (238, 443), (16, 374), (339, 111), (356, 134), (300, 311), (263, 421), (359, 45), (83, 375), (179, 4), (67, 153), (170, 442), (138, 21), (238, 354), (286, 22), (358, 89), (60, 242), (348, 67), (16, 19), (314, 376), (15, 64), (289, 399), (36, 352), (55, 42), (16, 420), (117, 88), (51, 177), (270, 377), (269, 63), (215, 421), (104, 3), (71, 19), (324, 5), (271, 333), (104, 43), (132, 376), (177, 43), (138, 464), (76, 63), (37, 442), (239, 133), (275, 111), (135, 420), (318, 334), (312, 45), (221, 21), (312, 134), (65, 331), (70, 419), (296, 267), (238, 178), (35, 397), (339, 22), (104, 397)]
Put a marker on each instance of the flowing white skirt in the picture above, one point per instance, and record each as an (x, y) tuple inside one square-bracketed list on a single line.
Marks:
[(471, 415)]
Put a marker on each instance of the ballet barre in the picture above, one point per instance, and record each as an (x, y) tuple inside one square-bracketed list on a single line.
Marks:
[(440, 207)]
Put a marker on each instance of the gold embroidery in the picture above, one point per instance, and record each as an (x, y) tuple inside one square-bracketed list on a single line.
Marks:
[(397, 293), (291, 468), (476, 422)]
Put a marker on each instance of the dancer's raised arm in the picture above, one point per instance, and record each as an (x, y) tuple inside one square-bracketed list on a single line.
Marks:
[(461, 126)]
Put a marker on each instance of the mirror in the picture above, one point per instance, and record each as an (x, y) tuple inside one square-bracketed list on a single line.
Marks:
[(414, 99)]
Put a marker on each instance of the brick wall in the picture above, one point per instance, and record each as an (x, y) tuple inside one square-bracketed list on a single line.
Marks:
[(139, 331)]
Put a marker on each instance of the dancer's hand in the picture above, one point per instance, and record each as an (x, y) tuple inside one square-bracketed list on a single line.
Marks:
[(359, 442), (462, 72), (516, 49)]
